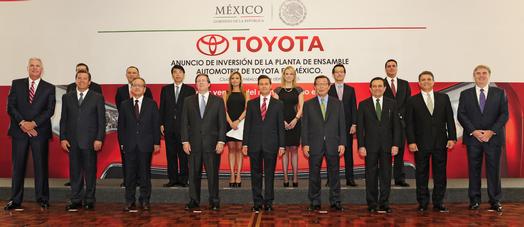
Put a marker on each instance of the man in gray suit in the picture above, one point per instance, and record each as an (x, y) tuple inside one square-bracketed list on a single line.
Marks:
[(323, 134), (203, 134), (82, 131)]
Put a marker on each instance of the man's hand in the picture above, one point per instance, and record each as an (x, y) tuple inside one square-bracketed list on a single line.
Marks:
[(187, 148), (353, 129), (65, 145), (219, 148), (97, 145), (487, 134), (244, 150), (362, 151), (162, 130), (394, 150), (281, 151), (341, 150), (32, 133), (413, 147), (156, 148), (451, 144), (305, 149), (27, 126), (479, 134)]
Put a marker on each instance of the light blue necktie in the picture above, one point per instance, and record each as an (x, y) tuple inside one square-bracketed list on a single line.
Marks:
[(202, 106)]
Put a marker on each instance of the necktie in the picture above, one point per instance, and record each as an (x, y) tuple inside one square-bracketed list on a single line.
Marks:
[(263, 109), (378, 109), (137, 109), (202, 106), (81, 99), (430, 105), (393, 87), (340, 92), (482, 100), (177, 91), (32, 92), (323, 107)]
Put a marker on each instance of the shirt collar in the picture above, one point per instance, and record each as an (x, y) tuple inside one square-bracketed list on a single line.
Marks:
[(84, 92), (36, 81), (140, 99)]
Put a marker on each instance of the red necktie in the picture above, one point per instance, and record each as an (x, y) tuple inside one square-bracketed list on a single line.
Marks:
[(263, 109), (393, 87), (32, 92)]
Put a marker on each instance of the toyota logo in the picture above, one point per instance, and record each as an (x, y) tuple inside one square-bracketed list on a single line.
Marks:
[(212, 45)]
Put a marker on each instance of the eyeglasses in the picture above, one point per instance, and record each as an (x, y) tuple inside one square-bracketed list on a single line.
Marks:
[(138, 85)]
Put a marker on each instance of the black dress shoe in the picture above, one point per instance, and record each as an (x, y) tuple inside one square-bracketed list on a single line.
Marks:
[(44, 204), (73, 207), (474, 206), (286, 184), (401, 184), (130, 208), (192, 205), (351, 183), (145, 206), (67, 183), (122, 185), (422, 208), (495, 207), (314, 207), (215, 207), (268, 207), (372, 209), (385, 210), (440, 208), (169, 184), (182, 184), (337, 207), (13, 206), (256, 208), (89, 206), (295, 184)]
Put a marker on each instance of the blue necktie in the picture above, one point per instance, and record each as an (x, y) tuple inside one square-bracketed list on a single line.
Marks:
[(482, 100), (202, 106)]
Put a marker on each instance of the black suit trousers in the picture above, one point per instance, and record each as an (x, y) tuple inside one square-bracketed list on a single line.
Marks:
[(348, 157), (138, 166), (492, 154), (378, 175), (82, 168), (176, 157), (438, 164), (333, 168), (211, 162), (20, 150), (262, 162), (398, 163)]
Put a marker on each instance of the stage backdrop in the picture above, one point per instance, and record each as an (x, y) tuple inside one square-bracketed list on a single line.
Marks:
[(263, 37)]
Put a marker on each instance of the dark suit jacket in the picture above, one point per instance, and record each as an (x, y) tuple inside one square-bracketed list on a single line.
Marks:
[(316, 130), (122, 94), (171, 110), (40, 111), (92, 87), (349, 101), (267, 134), (203, 133), (430, 132), (403, 94), (82, 125), (494, 117), (143, 132), (374, 134)]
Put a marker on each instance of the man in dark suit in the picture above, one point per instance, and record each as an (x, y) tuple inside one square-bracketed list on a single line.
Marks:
[(82, 131), (92, 86), (171, 103), (346, 94), (323, 135), (139, 134), (399, 90), (483, 113), (430, 132), (378, 136), (263, 140), (203, 134), (124, 93), (30, 105)]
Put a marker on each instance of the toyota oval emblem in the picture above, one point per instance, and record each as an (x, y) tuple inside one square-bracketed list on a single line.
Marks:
[(212, 45)]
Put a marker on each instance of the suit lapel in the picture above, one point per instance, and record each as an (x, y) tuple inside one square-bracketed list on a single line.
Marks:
[(87, 97), (476, 100), (37, 91), (257, 108), (329, 108), (489, 99), (318, 110), (143, 108), (420, 99), (208, 105)]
